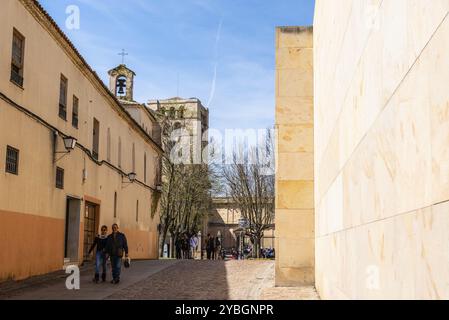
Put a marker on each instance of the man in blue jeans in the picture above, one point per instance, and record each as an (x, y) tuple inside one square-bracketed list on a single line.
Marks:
[(116, 245)]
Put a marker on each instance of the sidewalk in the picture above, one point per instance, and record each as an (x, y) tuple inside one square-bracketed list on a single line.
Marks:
[(52, 286)]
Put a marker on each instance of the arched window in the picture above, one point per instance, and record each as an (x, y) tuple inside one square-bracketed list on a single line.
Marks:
[(178, 125), (172, 112), (120, 86), (181, 113)]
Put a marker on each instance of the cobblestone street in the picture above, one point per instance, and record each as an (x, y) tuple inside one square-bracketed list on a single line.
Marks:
[(171, 279)]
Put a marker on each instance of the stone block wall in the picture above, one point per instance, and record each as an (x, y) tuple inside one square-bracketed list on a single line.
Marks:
[(382, 149), (294, 151)]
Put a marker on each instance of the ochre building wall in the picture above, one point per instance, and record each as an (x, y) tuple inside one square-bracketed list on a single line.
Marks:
[(32, 209)]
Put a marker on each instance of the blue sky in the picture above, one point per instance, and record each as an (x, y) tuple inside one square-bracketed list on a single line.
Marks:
[(222, 50)]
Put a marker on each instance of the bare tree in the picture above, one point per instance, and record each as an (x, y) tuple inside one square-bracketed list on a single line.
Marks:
[(185, 199), (250, 182)]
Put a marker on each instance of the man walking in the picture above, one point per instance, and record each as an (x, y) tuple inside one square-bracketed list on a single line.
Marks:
[(116, 245)]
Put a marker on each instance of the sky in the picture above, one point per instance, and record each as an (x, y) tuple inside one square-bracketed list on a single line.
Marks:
[(220, 51)]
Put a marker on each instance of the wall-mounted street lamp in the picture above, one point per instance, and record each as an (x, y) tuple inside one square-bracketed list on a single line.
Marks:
[(131, 177), (69, 145)]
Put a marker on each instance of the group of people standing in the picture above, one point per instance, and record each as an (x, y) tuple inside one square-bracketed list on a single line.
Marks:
[(213, 247), (113, 247), (186, 246)]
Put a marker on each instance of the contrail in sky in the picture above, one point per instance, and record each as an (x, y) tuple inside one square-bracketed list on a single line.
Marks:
[(214, 80)]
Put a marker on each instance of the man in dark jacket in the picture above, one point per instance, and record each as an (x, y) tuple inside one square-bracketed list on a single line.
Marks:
[(100, 255), (179, 246), (210, 247), (116, 245), (185, 246)]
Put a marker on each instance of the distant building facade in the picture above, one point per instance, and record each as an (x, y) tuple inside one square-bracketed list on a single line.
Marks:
[(224, 222), (73, 156)]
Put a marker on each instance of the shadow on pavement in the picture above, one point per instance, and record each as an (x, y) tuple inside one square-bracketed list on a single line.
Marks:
[(186, 280)]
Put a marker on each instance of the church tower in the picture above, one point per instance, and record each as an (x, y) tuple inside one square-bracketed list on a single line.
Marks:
[(121, 82)]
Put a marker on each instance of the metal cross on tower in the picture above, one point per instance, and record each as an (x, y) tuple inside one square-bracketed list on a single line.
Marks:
[(123, 54)]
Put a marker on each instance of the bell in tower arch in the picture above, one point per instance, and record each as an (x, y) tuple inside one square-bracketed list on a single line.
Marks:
[(121, 82), (121, 86)]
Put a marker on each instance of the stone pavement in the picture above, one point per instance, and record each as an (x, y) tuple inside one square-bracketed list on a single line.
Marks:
[(300, 293), (55, 289), (204, 280), (175, 279)]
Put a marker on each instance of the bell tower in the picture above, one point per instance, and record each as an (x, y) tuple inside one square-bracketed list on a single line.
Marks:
[(121, 82)]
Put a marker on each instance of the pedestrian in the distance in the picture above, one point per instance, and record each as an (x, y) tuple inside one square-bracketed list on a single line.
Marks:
[(185, 247), (116, 246), (193, 246), (217, 248), (178, 247), (210, 247), (100, 254)]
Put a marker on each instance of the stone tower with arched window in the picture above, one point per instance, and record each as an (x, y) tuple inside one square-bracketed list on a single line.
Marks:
[(187, 114)]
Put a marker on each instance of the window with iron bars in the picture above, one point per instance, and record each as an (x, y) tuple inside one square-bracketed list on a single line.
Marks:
[(59, 178), (12, 160)]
